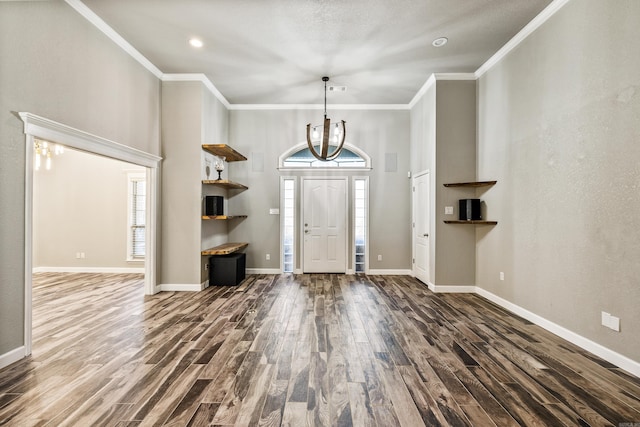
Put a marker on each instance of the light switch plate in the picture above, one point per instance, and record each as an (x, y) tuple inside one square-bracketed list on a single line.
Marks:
[(274, 211), (448, 210)]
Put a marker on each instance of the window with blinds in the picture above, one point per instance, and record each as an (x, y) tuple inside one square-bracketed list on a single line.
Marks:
[(137, 216)]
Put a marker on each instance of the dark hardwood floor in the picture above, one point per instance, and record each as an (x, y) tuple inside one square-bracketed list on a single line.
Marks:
[(322, 350)]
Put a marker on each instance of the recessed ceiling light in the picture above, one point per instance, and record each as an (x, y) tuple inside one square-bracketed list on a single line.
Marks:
[(440, 41), (196, 42)]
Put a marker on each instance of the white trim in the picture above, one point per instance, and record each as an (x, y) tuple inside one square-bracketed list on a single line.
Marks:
[(28, 243), (438, 77), (533, 25), (106, 270), (302, 145), (40, 127), (454, 76), (12, 356), (197, 77), (263, 271), (318, 107), (181, 287), (90, 16), (599, 350), (431, 80), (452, 289), (66, 135), (388, 272)]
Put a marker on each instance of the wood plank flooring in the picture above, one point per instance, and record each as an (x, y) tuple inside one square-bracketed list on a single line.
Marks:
[(296, 350)]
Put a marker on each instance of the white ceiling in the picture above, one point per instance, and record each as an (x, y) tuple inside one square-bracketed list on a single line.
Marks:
[(276, 51)]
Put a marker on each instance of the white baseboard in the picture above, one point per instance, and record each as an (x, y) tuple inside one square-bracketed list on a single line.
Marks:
[(181, 287), (452, 289), (12, 356), (611, 356), (88, 270), (263, 271), (389, 272)]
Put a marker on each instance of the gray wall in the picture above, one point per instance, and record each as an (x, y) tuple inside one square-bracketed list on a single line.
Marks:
[(57, 65), (455, 162), (181, 188), (268, 134), (559, 129), (81, 205), (443, 135), (191, 116)]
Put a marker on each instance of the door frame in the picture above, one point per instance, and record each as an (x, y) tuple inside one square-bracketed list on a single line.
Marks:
[(40, 127), (413, 222), (346, 215)]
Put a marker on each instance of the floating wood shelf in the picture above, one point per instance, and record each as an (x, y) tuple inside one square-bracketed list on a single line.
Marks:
[(225, 249), (471, 184), (222, 217), (223, 150), (225, 183), (477, 222)]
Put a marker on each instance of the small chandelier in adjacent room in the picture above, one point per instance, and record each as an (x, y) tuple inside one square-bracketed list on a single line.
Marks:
[(326, 136), (43, 151)]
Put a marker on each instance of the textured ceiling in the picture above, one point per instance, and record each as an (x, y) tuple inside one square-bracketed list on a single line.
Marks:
[(276, 51)]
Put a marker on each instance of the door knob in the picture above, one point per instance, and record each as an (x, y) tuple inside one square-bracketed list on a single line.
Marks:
[(426, 235)]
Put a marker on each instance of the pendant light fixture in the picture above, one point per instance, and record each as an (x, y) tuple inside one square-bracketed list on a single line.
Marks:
[(326, 135)]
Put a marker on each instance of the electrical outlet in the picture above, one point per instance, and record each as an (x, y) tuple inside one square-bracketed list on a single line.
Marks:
[(268, 257), (379, 257), (502, 275), (611, 322), (206, 265)]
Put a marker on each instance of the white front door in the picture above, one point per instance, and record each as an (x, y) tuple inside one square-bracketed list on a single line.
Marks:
[(421, 227), (324, 224)]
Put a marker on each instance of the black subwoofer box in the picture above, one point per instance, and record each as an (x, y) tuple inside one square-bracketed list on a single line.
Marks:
[(469, 209), (227, 270), (213, 205)]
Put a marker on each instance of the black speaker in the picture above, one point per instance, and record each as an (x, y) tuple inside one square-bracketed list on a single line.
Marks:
[(213, 205), (227, 270), (469, 209)]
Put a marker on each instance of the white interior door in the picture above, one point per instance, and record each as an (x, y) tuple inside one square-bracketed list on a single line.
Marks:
[(324, 224), (421, 223)]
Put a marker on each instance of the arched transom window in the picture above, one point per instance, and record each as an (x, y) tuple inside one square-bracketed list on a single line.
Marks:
[(299, 157)]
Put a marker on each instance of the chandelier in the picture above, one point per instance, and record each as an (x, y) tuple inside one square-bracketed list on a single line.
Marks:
[(326, 136)]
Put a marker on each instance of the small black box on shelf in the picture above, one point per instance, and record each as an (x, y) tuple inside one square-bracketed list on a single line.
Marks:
[(469, 210), (213, 205), (227, 270)]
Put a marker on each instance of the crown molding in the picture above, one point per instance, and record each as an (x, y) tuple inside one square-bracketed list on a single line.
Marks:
[(318, 107), (432, 80), (90, 16), (533, 25), (197, 77)]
